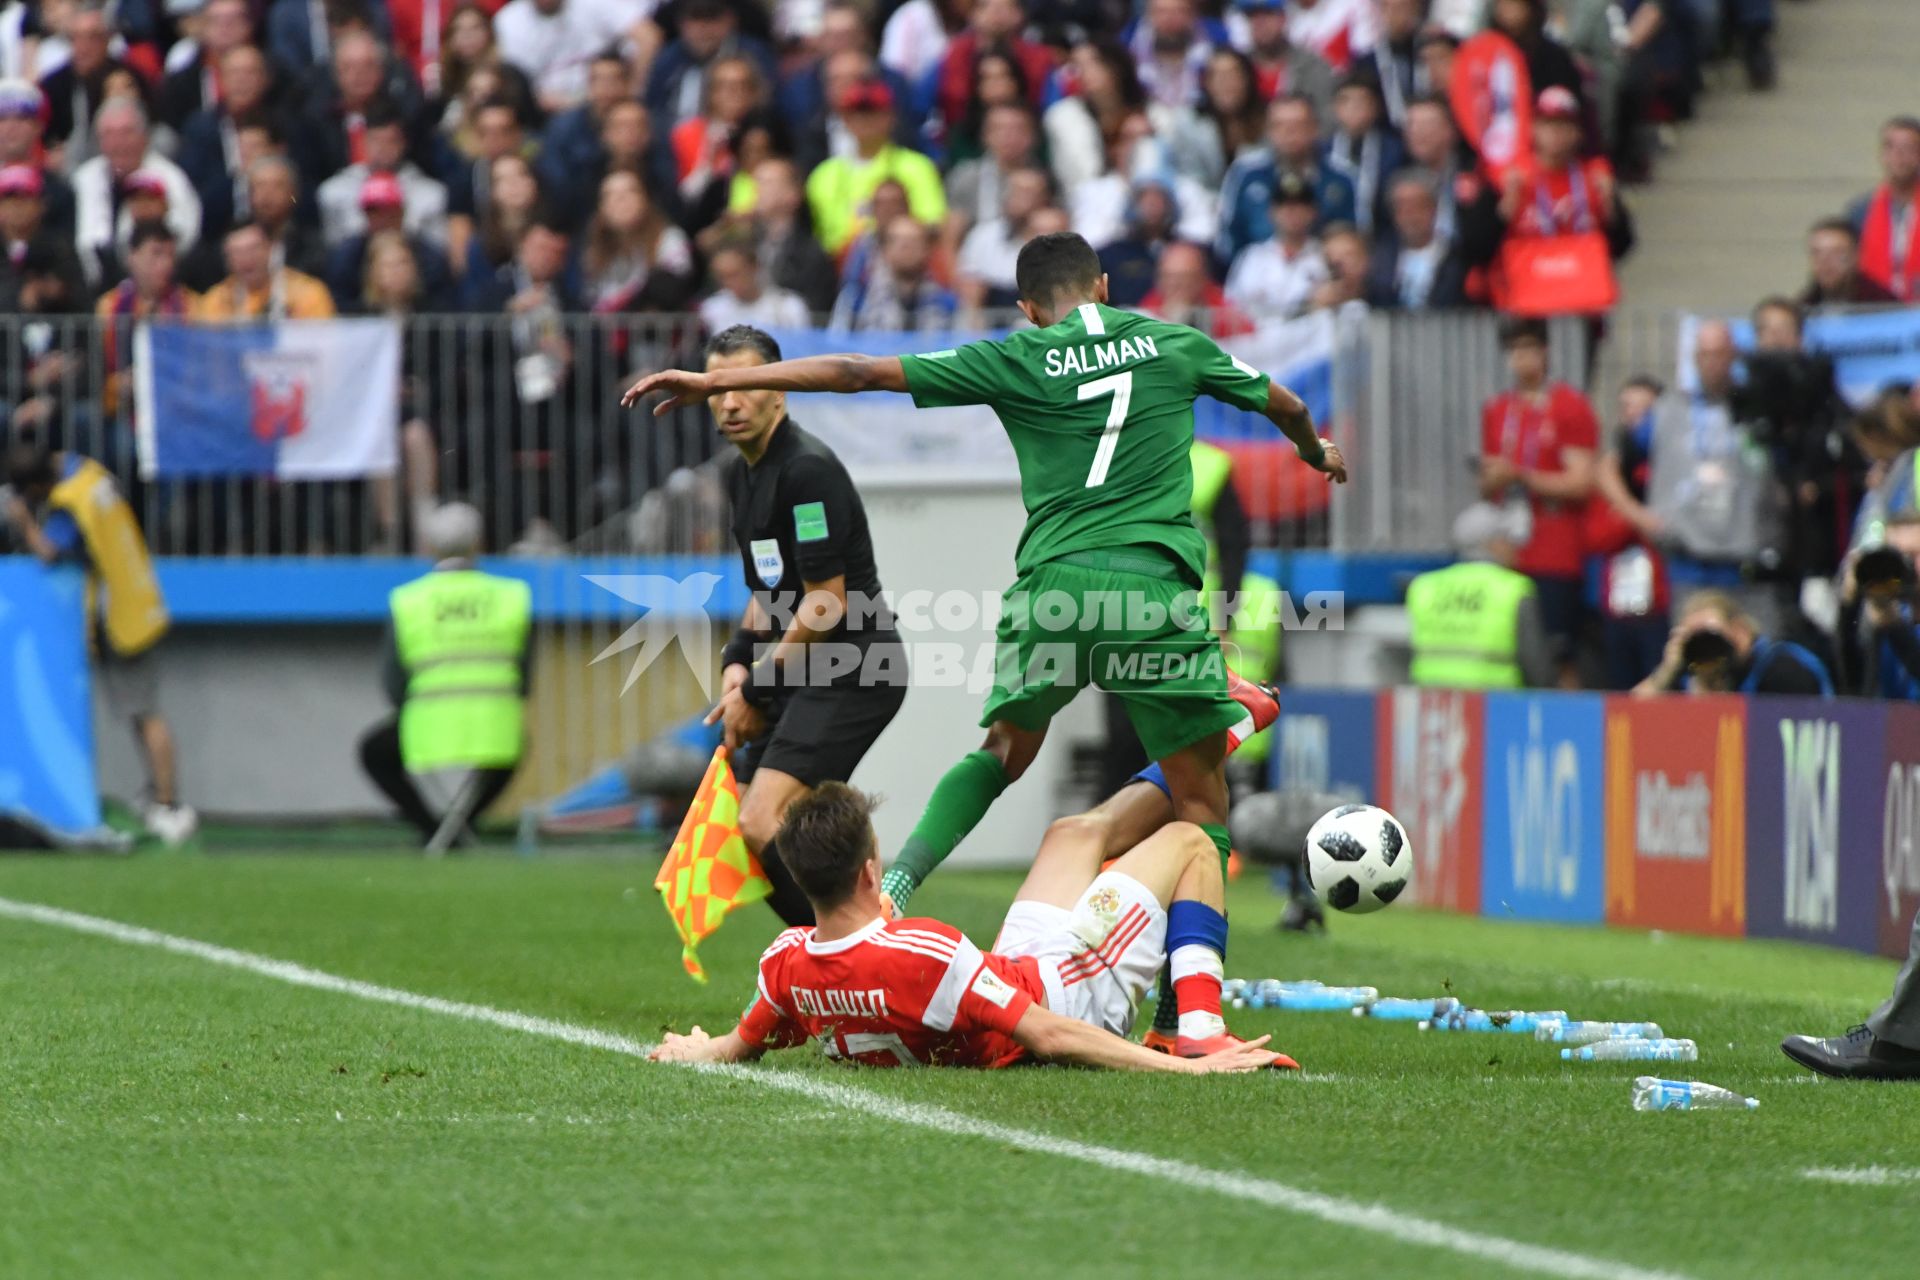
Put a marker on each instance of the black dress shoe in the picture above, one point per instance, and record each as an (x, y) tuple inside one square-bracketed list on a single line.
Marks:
[(1857, 1055)]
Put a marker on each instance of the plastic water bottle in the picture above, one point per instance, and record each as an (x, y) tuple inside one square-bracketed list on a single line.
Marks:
[(1579, 1033), (1408, 1010), (1634, 1051), (1266, 993), (1311, 999), (1511, 1021), (1653, 1094)]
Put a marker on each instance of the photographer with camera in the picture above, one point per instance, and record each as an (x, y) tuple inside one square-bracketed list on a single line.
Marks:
[(1717, 647), (1880, 640), (1792, 401)]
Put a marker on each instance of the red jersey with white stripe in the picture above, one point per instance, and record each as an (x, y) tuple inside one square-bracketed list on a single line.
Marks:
[(912, 992)]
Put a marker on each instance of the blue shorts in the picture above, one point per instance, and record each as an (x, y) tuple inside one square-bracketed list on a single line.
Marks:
[(1156, 775)]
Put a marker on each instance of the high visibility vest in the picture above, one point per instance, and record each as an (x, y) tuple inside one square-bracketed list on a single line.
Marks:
[(1466, 626), (120, 578), (1212, 467), (461, 635)]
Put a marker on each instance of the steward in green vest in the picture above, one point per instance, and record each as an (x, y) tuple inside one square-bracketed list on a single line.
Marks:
[(1476, 624), (457, 670), (1253, 632)]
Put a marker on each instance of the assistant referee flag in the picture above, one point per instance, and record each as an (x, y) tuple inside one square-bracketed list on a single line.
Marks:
[(709, 870)]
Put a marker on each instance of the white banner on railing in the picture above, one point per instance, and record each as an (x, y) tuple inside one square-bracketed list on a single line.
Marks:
[(298, 400)]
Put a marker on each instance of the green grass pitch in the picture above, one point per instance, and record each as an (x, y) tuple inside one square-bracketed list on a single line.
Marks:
[(161, 1115)]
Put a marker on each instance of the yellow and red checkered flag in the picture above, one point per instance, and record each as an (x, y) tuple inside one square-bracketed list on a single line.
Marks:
[(708, 871)]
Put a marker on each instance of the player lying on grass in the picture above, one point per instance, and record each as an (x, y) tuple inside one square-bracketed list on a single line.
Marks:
[(1077, 951), (1098, 404)]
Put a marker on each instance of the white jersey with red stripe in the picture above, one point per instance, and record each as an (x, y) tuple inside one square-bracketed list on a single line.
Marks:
[(1337, 30), (912, 992)]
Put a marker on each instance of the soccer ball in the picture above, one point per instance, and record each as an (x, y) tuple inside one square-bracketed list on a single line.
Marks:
[(1358, 858)]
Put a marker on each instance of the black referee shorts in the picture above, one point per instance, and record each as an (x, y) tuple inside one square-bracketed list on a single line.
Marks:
[(820, 734)]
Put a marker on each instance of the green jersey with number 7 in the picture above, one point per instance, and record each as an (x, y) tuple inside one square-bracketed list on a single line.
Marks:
[(1099, 407)]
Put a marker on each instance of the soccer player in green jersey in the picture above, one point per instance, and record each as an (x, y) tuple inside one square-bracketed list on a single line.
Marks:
[(1098, 404)]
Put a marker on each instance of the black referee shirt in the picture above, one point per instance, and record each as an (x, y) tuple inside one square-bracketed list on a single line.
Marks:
[(797, 518)]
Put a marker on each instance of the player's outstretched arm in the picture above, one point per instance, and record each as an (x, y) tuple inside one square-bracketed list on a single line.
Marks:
[(1054, 1038), (698, 1046), (1288, 412), (844, 374)]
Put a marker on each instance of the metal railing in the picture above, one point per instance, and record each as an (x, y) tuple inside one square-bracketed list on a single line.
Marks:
[(558, 468)]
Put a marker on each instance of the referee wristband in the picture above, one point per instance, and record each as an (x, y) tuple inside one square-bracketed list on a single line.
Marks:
[(739, 649), (762, 684)]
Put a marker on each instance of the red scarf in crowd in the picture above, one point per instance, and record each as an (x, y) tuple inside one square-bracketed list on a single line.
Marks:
[(1892, 268)]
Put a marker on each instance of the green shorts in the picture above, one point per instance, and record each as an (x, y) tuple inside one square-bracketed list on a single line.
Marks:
[(1125, 620)]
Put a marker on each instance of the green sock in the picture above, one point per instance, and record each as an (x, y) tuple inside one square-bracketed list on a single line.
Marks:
[(1166, 1011), (960, 800)]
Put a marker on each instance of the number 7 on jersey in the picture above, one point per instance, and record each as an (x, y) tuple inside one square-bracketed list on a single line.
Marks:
[(1120, 386)]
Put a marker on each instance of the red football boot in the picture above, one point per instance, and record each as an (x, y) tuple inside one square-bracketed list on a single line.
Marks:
[(1262, 702)]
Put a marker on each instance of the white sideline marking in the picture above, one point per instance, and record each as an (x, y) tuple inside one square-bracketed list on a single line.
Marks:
[(1871, 1175), (1375, 1218)]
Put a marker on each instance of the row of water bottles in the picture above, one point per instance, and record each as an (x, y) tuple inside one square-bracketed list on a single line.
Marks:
[(1307, 996)]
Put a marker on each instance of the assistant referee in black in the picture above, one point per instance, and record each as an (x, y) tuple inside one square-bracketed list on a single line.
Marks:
[(816, 669)]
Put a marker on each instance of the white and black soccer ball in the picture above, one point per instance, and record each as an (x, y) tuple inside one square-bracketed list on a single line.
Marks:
[(1358, 858)]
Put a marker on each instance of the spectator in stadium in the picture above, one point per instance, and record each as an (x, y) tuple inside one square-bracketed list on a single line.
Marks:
[(384, 146), (24, 234), (1634, 593), (1751, 23), (22, 121), (1277, 277), (43, 361), (1132, 261), (990, 23), (496, 131), (335, 122), (512, 204), (825, 133), (201, 82), (1477, 624), (1834, 278), (1433, 144), (1437, 47), (841, 189), (707, 147), (1293, 144), (421, 31), (900, 292), (709, 30), (1713, 489), (1171, 44), (1537, 448), (468, 51), (1549, 64), (1185, 293), (211, 154), (983, 272), (1888, 219), (273, 201), (1364, 148), (1719, 647), (1283, 65), (571, 142), (552, 42), (458, 664), (99, 185), (1561, 196), (383, 203), (258, 288), (742, 295), (974, 187), (790, 257), (1394, 61), (143, 195), (67, 508), (803, 96), (626, 141), (300, 34), (998, 81), (1349, 264), (1413, 268), (1084, 128), (914, 42), (76, 90), (1230, 118), (1790, 395), (1335, 29), (634, 259), (151, 289)]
